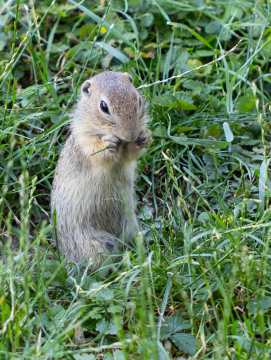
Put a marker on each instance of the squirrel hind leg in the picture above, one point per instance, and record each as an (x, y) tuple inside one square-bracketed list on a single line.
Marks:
[(110, 246), (89, 245)]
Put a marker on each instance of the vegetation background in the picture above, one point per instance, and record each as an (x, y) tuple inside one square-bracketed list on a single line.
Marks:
[(200, 288)]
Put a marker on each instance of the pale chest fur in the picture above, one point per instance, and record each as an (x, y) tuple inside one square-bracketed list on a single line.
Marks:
[(100, 196), (108, 197)]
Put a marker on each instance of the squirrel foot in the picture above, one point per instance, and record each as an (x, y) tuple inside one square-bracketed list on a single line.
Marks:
[(112, 142)]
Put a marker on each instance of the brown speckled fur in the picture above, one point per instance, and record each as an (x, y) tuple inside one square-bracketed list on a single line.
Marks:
[(93, 195)]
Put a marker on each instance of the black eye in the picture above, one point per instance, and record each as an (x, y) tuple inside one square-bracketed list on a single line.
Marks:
[(104, 107)]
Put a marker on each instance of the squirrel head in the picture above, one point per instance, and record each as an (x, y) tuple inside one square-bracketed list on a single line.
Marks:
[(110, 104)]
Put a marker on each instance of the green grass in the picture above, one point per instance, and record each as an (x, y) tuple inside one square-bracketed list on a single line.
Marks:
[(198, 284)]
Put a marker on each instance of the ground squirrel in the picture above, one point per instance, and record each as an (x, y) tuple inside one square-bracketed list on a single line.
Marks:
[(93, 195)]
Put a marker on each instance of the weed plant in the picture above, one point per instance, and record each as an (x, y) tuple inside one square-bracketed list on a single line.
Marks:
[(197, 286)]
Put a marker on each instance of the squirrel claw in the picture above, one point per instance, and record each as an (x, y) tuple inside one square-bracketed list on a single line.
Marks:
[(144, 139), (112, 142)]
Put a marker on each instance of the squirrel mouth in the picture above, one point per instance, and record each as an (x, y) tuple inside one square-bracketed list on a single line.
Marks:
[(130, 137)]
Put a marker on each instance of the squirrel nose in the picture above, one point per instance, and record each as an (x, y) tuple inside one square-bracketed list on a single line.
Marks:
[(130, 136)]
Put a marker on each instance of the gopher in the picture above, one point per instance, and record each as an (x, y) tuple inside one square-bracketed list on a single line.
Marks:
[(93, 187)]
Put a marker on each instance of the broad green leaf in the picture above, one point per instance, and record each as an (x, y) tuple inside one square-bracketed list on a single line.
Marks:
[(44, 320), (213, 27), (185, 342), (182, 101), (102, 326), (186, 106), (52, 318), (147, 19), (108, 356), (193, 84), (173, 325), (215, 102), (246, 103), (195, 63), (204, 216), (160, 132), (57, 313), (119, 355), (95, 313), (113, 309), (193, 32), (210, 144), (184, 129), (165, 100), (215, 130), (86, 30), (185, 101), (144, 34), (113, 328), (104, 294), (205, 53), (146, 212), (181, 61)]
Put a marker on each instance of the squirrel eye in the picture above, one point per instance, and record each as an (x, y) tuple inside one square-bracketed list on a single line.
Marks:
[(104, 107)]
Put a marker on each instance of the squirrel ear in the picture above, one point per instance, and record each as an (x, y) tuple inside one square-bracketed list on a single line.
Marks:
[(129, 77), (86, 88)]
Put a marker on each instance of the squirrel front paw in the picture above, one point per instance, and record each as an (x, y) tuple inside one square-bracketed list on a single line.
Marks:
[(112, 142), (144, 139)]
